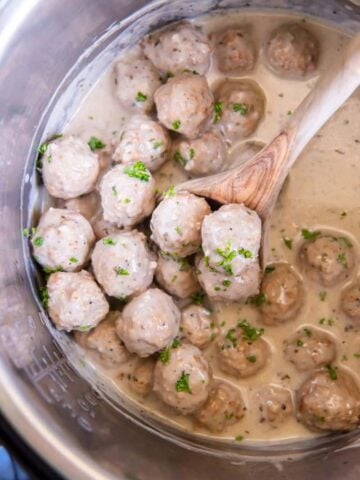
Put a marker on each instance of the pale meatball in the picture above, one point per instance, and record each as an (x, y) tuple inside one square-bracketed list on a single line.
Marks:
[(309, 349), (292, 50), (149, 322), (282, 294), (70, 168), (123, 265), (235, 51), (329, 400), (224, 407), (231, 239), (328, 260), (104, 341), (183, 381), (274, 404), (198, 326), (63, 240), (203, 155), (176, 276), (142, 377), (143, 140), (239, 108), (87, 205), (185, 104), (127, 194), (75, 301), (350, 302), (136, 82), (176, 223), (178, 49), (222, 287), (242, 352)]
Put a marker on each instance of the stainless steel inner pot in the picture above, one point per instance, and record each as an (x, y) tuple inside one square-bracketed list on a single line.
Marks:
[(47, 52)]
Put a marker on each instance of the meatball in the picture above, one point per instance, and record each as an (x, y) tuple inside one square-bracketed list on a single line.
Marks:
[(104, 340), (239, 108), (202, 156), (242, 352), (185, 104), (149, 322), (292, 50), (224, 407), (142, 377), (327, 260), (329, 400), (221, 287), (282, 293), (235, 51), (350, 302), (176, 223), (231, 239), (143, 140), (70, 168), (127, 194), (183, 381), (75, 301), (176, 276), (136, 82), (87, 205), (310, 348), (197, 325), (63, 240), (123, 265), (179, 49), (274, 404)]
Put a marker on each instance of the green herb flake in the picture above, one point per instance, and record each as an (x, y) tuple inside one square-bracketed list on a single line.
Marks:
[(158, 144), (165, 355), (121, 271), (43, 147), (73, 260), (231, 337), (269, 269), (108, 241), (176, 124), (251, 358), (138, 171), (341, 259), (38, 241), (49, 271), (227, 283), (245, 253), (288, 242), (260, 299), (249, 333), (218, 109), (299, 343), (178, 230), (309, 235), (183, 385), (240, 108), (96, 144), (179, 158), (170, 192), (141, 97), (176, 343), (308, 332), (191, 153), (84, 328), (26, 233), (289, 112), (345, 242), (357, 355), (44, 295), (332, 371), (49, 158), (322, 296), (127, 200), (198, 298), (239, 438)]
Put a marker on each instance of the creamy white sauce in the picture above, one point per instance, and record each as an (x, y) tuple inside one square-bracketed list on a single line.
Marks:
[(322, 185)]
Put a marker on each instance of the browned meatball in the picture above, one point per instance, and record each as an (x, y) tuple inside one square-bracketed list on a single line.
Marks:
[(282, 294), (241, 352), (329, 400), (197, 325), (224, 406), (235, 51), (141, 379), (310, 348), (328, 260), (350, 302), (274, 404), (292, 50)]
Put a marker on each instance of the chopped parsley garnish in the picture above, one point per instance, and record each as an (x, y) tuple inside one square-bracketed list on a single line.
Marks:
[(228, 270), (96, 144), (42, 149), (240, 108), (84, 328), (288, 242), (165, 355), (308, 235), (141, 97), (176, 124), (227, 283), (332, 371), (169, 74), (308, 332), (227, 255), (179, 158), (239, 438), (26, 233), (218, 109), (245, 253), (251, 358), (138, 171), (121, 271), (49, 271), (322, 296), (357, 355), (327, 321), (341, 259), (73, 260), (299, 343), (38, 241), (176, 343), (178, 230), (198, 298), (231, 337), (170, 192), (182, 385), (158, 144), (191, 153), (49, 158), (345, 242), (249, 333), (269, 269), (108, 241), (127, 200), (44, 295), (260, 299)]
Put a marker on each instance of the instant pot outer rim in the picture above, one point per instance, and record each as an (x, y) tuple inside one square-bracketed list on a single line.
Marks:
[(13, 408)]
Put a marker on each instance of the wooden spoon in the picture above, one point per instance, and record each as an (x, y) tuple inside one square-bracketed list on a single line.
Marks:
[(257, 183)]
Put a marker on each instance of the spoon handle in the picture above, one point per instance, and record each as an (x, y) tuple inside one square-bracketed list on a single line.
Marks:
[(330, 92)]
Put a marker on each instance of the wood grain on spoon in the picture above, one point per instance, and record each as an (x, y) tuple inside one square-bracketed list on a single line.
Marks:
[(257, 183)]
